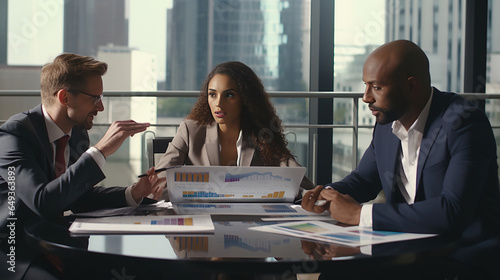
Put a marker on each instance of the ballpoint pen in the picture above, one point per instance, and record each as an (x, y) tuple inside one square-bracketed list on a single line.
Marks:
[(160, 170), (320, 202)]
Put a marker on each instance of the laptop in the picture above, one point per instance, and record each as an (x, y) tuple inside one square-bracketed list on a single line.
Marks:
[(195, 184)]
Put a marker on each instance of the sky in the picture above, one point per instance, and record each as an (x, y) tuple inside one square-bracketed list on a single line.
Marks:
[(148, 29), (359, 22), (35, 31)]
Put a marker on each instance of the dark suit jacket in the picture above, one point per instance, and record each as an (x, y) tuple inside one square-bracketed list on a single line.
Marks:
[(457, 174), (25, 147), (196, 144)]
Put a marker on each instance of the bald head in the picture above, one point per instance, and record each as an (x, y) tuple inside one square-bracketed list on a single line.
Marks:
[(397, 82), (401, 59)]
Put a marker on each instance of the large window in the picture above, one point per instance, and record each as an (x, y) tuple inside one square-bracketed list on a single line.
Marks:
[(171, 45), (160, 45), (359, 27), (493, 62)]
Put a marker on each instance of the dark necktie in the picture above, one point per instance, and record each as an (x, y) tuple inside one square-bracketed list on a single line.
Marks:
[(60, 161)]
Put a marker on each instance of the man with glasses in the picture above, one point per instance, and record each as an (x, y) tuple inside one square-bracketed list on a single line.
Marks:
[(42, 175), (96, 98)]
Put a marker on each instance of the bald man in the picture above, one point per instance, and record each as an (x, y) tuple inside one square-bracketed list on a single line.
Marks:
[(432, 153)]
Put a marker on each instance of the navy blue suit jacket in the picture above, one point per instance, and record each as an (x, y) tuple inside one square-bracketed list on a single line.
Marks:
[(26, 152), (457, 174)]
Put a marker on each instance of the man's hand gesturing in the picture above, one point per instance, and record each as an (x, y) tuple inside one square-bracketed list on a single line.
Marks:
[(117, 133)]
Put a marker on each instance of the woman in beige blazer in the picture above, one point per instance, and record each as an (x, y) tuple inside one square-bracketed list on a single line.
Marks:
[(232, 123)]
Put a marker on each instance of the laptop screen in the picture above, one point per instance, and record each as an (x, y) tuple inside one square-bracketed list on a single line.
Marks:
[(234, 183)]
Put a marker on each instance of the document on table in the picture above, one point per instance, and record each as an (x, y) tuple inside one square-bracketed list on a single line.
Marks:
[(284, 210), (237, 190), (188, 184), (123, 211), (144, 224), (325, 232)]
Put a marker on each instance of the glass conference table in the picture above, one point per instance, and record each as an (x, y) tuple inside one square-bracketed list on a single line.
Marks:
[(231, 252)]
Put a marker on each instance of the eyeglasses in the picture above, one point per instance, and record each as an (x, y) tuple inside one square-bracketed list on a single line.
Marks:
[(96, 98)]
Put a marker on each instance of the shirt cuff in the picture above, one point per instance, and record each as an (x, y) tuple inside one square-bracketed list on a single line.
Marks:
[(365, 219), (129, 198), (97, 156)]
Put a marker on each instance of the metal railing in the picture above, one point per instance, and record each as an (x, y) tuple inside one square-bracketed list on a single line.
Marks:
[(354, 124)]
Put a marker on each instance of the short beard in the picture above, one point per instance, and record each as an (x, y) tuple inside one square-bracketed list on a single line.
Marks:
[(388, 117), (86, 125)]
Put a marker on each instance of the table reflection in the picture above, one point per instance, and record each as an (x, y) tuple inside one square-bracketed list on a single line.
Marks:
[(233, 248), (232, 239), (324, 251)]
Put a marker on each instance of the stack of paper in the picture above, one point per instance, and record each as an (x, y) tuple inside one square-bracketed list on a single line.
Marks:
[(349, 236), (144, 224), (285, 210), (189, 184)]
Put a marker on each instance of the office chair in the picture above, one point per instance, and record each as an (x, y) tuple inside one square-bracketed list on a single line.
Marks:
[(156, 147)]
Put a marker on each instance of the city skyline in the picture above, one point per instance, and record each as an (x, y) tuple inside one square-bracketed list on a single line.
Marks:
[(36, 29)]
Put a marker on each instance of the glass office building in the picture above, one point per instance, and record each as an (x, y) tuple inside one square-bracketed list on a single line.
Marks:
[(101, 23), (263, 34)]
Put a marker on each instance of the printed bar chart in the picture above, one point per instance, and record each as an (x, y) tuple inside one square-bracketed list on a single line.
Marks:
[(221, 183), (143, 224), (202, 177), (203, 194), (253, 176), (235, 208), (197, 244), (280, 194), (172, 221)]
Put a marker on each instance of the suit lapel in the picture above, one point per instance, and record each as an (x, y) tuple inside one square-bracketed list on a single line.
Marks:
[(432, 129), (393, 149), (78, 144), (38, 121), (394, 146), (212, 144), (246, 154)]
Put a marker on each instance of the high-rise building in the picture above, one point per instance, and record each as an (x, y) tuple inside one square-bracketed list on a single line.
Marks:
[(291, 51), (265, 35), (93, 23), (493, 63), (187, 44), (438, 27), (493, 49), (3, 31)]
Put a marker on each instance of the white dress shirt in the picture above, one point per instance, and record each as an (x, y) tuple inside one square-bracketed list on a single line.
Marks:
[(54, 133), (239, 143), (408, 159)]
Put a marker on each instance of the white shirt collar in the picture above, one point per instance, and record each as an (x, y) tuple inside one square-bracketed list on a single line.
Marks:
[(239, 144), (409, 153), (53, 131)]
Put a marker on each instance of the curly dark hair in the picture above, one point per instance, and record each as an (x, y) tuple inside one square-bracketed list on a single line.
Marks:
[(260, 125)]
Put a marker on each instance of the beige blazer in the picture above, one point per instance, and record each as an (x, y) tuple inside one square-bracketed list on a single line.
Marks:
[(196, 144)]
